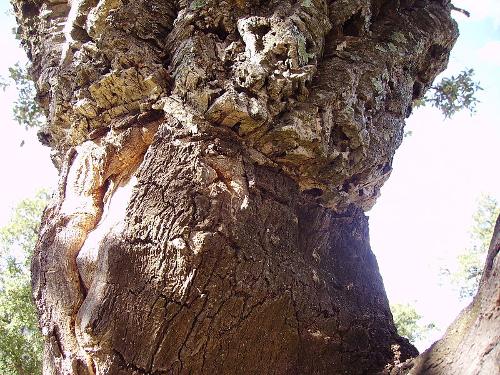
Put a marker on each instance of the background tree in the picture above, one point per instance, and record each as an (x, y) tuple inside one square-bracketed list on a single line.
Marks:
[(21, 343), (26, 110), (470, 262), (407, 321), (474, 331), (453, 94)]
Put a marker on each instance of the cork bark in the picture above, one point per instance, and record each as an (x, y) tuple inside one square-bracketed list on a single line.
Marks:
[(215, 160)]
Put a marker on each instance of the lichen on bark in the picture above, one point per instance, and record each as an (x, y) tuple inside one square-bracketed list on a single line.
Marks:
[(215, 159)]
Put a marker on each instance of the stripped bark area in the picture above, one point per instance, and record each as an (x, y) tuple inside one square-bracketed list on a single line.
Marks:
[(216, 158)]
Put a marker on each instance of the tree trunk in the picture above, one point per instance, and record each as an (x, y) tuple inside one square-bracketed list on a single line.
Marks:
[(215, 160)]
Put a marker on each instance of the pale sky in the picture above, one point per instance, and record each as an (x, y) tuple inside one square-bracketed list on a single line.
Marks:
[(425, 212)]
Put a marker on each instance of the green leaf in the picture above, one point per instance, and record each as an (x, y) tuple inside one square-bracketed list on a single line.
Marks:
[(21, 342), (406, 318), (27, 112), (454, 94), (471, 261)]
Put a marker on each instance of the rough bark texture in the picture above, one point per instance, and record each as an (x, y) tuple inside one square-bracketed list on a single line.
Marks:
[(216, 158)]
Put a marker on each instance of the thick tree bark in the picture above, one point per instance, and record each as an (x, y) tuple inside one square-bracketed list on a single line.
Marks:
[(216, 158)]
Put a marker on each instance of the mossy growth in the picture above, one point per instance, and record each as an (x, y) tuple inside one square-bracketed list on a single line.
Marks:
[(197, 4), (303, 55)]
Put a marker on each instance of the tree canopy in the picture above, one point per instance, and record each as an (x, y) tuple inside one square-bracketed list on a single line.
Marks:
[(26, 110), (21, 343), (453, 94), (407, 321), (467, 275)]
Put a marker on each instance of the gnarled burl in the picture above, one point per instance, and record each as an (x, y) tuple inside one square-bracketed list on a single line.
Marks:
[(215, 159)]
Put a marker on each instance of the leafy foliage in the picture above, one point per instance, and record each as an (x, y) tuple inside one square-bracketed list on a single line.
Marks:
[(406, 319), (453, 94), (471, 261), (26, 110), (3, 83), (21, 343)]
